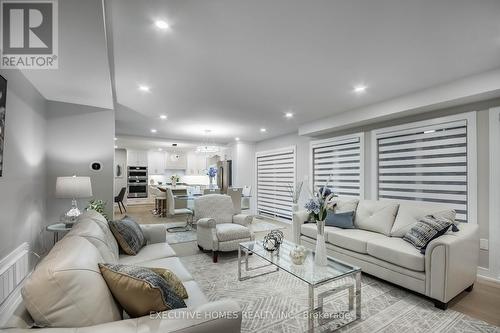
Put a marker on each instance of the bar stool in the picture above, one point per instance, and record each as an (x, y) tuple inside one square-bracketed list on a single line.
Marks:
[(160, 202)]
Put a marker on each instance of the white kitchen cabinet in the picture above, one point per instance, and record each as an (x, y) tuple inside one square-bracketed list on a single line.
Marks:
[(137, 157), (196, 164), (157, 162)]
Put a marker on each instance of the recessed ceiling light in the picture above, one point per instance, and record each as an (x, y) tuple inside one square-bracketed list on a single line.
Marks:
[(116, 139), (237, 139), (429, 131), (116, 146), (144, 88), (359, 89), (161, 24), (159, 149), (263, 130), (288, 115), (163, 116), (153, 130)]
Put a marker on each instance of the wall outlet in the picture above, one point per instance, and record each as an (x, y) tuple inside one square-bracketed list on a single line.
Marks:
[(483, 244)]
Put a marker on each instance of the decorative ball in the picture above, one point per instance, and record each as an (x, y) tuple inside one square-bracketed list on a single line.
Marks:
[(273, 240)]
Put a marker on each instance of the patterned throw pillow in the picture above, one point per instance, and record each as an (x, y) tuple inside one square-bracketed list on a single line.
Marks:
[(173, 281), (428, 228), (139, 290), (128, 234)]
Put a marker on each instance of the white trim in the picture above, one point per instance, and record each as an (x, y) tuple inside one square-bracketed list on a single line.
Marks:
[(469, 118), (494, 194), (14, 268), (275, 151), (337, 139)]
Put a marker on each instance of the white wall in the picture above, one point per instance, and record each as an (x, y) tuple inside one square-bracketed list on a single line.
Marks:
[(23, 184), (120, 182), (76, 136)]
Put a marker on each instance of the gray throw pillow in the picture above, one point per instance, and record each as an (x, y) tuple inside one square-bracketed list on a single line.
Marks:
[(128, 234), (428, 228), (340, 220)]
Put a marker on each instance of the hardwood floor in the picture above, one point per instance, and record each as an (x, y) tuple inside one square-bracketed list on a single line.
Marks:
[(483, 302)]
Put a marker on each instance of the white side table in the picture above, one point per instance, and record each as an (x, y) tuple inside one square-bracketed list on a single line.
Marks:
[(57, 228)]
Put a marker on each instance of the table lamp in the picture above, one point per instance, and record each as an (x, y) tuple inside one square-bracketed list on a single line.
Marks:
[(73, 188)]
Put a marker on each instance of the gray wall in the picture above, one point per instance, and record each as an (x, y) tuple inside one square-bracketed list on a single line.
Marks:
[(120, 182), (76, 136), (22, 186), (482, 154)]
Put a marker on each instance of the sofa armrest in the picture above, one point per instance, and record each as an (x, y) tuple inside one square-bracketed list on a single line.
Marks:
[(299, 217), (242, 219), (154, 233), (219, 316), (206, 222), (451, 262)]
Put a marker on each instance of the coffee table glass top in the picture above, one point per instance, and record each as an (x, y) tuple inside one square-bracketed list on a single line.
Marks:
[(308, 271)]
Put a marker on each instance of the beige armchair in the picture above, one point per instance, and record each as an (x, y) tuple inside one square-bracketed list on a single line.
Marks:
[(218, 228)]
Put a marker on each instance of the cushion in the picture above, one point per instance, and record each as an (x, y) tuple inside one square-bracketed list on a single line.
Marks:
[(148, 252), (342, 205), (103, 224), (172, 280), (396, 251), (410, 212), (217, 206), (66, 289), (128, 234), (340, 220), (231, 231), (352, 239), (139, 290), (377, 216), (311, 230), (173, 264), (427, 229), (91, 231)]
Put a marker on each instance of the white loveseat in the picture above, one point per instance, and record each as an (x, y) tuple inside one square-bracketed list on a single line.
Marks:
[(67, 293), (376, 245)]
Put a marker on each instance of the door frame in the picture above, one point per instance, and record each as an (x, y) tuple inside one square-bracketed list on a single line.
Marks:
[(493, 270)]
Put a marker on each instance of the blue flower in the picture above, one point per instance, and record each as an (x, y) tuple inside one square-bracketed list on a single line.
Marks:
[(312, 206), (212, 172)]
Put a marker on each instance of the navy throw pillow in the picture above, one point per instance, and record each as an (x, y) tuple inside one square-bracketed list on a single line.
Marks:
[(340, 220)]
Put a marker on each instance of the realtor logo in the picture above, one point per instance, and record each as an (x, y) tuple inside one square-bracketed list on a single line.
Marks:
[(29, 36)]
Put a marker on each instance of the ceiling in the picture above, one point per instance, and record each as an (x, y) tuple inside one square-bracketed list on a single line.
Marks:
[(236, 66), (83, 76)]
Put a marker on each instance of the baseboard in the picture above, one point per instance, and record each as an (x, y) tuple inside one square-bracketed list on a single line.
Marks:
[(485, 275)]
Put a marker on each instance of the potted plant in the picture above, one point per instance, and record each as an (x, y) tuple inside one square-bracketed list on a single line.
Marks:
[(174, 179), (98, 206), (211, 173)]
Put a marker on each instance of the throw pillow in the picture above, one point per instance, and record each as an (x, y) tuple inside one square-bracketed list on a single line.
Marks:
[(128, 234), (139, 290), (427, 229), (172, 280), (340, 220)]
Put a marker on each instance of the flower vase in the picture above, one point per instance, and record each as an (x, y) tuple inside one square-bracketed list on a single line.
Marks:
[(320, 253), (211, 186)]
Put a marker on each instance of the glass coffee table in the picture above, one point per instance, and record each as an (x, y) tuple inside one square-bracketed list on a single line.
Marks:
[(344, 275)]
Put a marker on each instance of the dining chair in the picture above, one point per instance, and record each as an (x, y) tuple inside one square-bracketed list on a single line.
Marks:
[(119, 199), (211, 191), (235, 194), (245, 199)]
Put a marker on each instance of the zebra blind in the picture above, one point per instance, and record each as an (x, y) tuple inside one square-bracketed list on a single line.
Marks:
[(341, 160), (426, 164), (275, 172)]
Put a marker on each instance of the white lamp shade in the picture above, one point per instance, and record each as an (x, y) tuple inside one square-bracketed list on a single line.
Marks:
[(73, 187)]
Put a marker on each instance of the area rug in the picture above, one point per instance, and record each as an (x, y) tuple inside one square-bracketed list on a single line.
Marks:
[(257, 225), (277, 302)]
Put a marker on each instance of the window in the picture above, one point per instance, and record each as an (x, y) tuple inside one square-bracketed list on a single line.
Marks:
[(275, 172), (341, 159), (431, 161)]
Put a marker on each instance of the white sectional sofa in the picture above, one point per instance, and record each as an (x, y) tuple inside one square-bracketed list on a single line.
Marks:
[(376, 245), (67, 293)]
